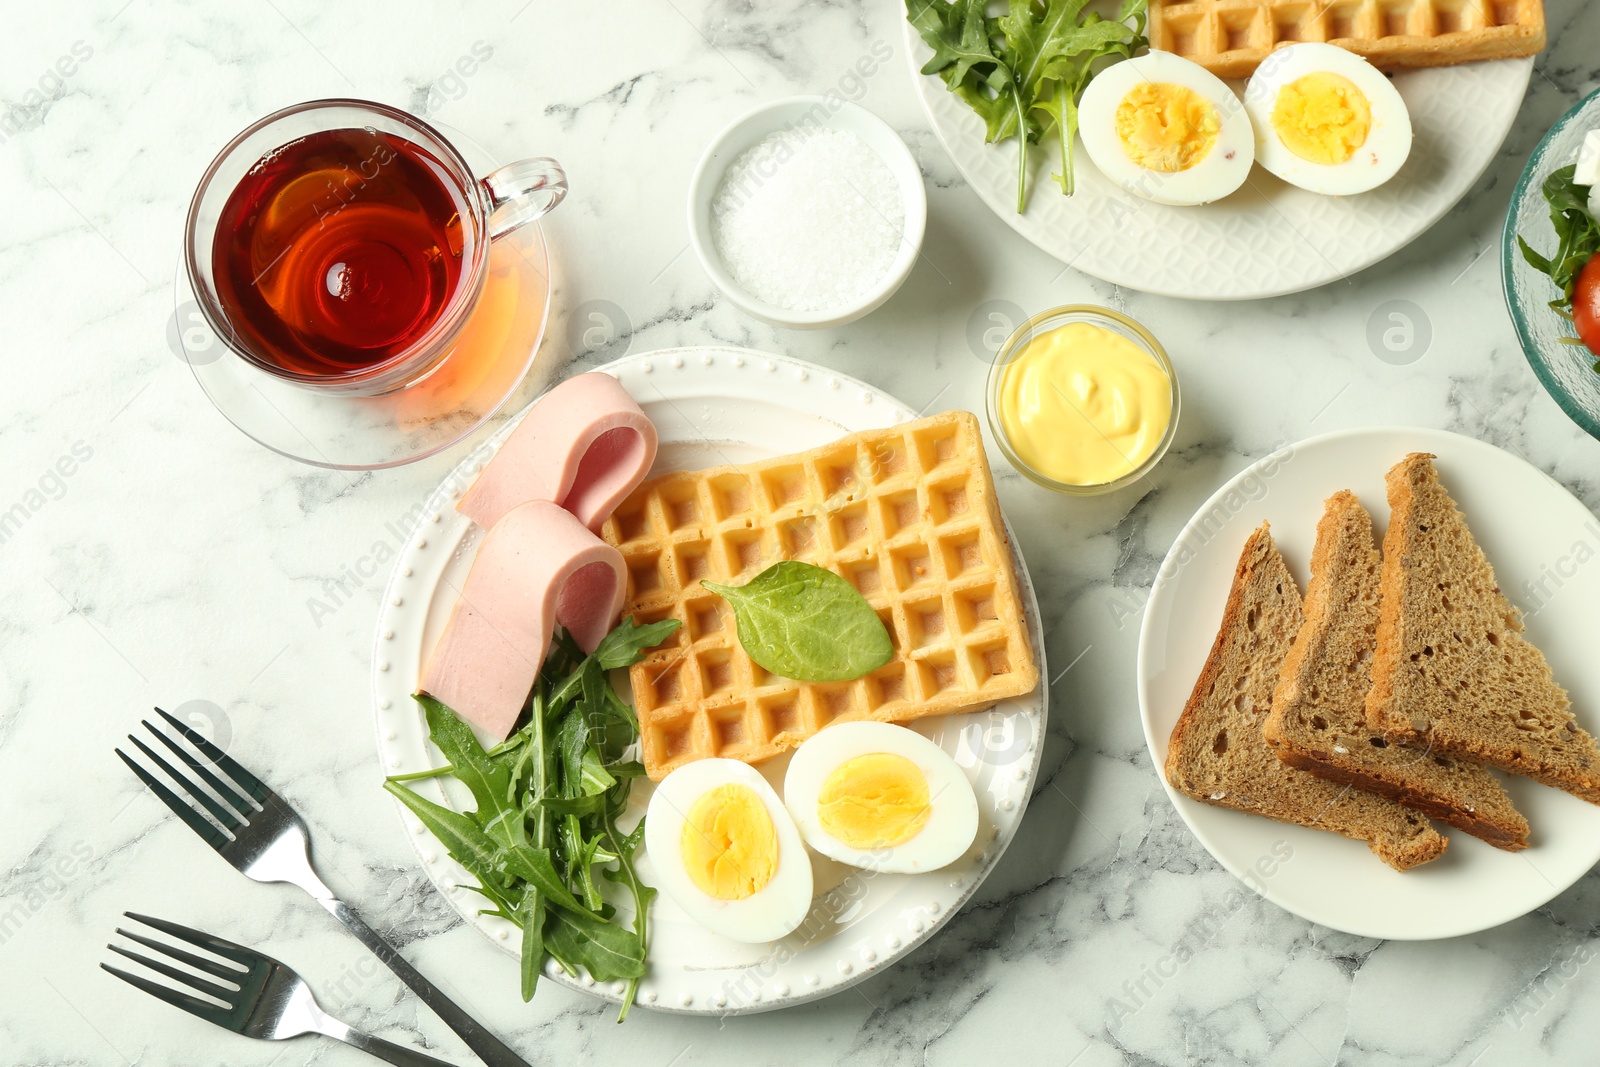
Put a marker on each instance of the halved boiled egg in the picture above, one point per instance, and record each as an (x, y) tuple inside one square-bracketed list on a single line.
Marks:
[(882, 797), (726, 852), (1327, 120), (1165, 128)]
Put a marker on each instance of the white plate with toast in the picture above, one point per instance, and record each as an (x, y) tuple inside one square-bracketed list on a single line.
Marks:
[(1541, 541), (714, 405), (1268, 238)]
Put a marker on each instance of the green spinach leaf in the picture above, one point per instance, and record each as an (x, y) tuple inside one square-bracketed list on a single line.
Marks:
[(803, 622)]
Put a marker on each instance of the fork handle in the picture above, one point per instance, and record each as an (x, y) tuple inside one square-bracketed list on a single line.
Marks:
[(388, 1051), (490, 1049)]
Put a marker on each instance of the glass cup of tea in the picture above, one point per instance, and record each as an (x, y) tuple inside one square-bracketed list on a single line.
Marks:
[(342, 245)]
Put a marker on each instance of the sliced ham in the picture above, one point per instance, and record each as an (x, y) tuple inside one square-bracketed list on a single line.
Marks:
[(538, 565), (584, 445)]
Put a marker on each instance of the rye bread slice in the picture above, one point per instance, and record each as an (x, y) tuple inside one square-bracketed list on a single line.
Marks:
[(1217, 754), (1452, 669), (1318, 721)]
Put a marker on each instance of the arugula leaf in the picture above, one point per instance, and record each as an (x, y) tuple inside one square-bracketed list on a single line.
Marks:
[(803, 622), (1577, 239), (605, 949), (489, 782), (478, 853), (623, 847), (961, 39), (1577, 234), (547, 802), (968, 54), (1067, 63), (531, 917), (1023, 71), (627, 644)]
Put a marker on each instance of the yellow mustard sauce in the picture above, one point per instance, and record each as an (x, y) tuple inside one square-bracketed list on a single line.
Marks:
[(1083, 405)]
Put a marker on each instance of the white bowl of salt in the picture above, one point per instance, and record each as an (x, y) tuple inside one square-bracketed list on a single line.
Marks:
[(807, 212)]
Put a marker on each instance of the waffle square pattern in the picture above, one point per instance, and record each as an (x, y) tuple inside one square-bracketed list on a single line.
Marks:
[(906, 514), (1231, 37)]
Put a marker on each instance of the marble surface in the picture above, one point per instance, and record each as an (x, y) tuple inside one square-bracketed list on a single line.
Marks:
[(158, 556)]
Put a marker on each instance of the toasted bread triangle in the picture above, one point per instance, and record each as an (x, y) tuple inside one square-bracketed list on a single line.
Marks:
[(1318, 721), (1452, 669), (1217, 753)]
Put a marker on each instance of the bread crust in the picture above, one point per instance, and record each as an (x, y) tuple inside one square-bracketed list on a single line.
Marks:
[(1255, 549), (1493, 833)]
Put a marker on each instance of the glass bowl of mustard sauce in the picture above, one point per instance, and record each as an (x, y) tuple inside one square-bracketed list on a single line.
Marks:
[(1083, 400)]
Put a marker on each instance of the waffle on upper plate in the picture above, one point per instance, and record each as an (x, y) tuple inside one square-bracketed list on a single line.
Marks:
[(907, 514), (1231, 37)]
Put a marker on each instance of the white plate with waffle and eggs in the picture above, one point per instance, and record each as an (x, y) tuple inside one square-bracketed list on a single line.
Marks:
[(1536, 535), (714, 406), (1268, 238)]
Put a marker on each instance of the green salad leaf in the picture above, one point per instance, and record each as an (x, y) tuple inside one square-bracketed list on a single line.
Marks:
[(803, 622), (1577, 234), (547, 803), (1023, 71)]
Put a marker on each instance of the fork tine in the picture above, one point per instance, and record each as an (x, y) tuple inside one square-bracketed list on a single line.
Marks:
[(244, 957), (193, 981), (192, 1005), (229, 795), (213, 837), (247, 781), (229, 819), (211, 967)]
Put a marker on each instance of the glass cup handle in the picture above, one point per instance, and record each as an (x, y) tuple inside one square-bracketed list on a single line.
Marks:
[(523, 191)]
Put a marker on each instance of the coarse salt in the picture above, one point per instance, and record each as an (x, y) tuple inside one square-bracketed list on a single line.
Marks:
[(808, 219)]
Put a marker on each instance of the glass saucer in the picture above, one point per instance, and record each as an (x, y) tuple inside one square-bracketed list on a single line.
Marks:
[(490, 361)]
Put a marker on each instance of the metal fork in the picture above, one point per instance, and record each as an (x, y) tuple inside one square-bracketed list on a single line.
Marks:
[(267, 840), (260, 997)]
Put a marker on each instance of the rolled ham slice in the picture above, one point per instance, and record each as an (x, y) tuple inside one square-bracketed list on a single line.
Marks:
[(537, 566), (584, 445)]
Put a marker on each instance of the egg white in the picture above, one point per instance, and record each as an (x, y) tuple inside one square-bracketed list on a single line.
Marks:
[(766, 915), (953, 808), (1222, 170), (1388, 141)]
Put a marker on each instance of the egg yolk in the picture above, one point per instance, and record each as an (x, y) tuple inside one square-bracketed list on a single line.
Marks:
[(1166, 127), (729, 845), (1322, 117), (878, 800)]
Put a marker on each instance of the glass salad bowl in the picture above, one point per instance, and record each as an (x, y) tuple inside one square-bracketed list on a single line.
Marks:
[(1565, 369)]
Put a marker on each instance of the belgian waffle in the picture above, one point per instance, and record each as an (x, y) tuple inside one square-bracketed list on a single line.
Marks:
[(1230, 37), (906, 514)]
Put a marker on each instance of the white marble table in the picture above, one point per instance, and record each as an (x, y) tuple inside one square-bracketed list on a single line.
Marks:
[(179, 562)]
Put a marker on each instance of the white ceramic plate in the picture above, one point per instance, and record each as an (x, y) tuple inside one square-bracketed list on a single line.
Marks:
[(1267, 239), (715, 405), (1542, 544)]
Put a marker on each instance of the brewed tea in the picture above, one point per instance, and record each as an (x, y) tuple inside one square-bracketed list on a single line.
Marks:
[(339, 250)]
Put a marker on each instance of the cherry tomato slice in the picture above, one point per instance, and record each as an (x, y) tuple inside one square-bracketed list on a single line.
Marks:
[(1586, 304)]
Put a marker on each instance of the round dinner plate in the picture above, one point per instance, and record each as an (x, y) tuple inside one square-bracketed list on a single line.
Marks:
[(1267, 239), (711, 406), (1542, 543)]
